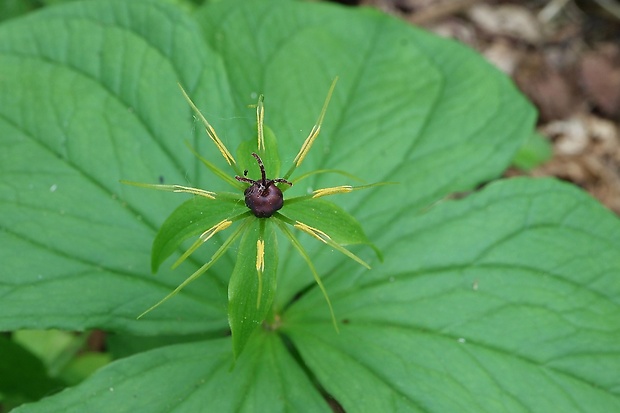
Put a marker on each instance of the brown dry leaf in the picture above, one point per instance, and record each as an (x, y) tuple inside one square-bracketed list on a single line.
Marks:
[(503, 54), (548, 89), (507, 20), (587, 153), (600, 78)]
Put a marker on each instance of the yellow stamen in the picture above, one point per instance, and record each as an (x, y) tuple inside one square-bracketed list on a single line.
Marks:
[(174, 188), (220, 226), (305, 148), (331, 191), (260, 255), (260, 117), (195, 191), (323, 237), (204, 237), (316, 233), (316, 129), (210, 131), (260, 267)]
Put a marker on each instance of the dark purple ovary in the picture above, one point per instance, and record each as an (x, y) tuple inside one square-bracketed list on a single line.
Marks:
[(263, 197), (263, 202)]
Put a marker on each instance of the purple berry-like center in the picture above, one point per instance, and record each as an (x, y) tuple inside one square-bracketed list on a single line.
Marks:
[(263, 197)]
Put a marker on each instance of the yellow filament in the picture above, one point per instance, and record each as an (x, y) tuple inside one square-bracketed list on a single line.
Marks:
[(204, 237), (260, 267), (260, 117), (316, 233), (305, 148), (315, 129), (331, 191), (173, 188), (220, 226), (195, 191)]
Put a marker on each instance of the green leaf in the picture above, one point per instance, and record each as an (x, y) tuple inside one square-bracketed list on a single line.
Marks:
[(191, 218), (22, 374), (83, 366), (72, 124), (251, 290), (534, 152), (506, 301), (265, 375), (12, 8)]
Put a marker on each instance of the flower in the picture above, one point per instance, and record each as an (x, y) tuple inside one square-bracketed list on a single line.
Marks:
[(259, 205)]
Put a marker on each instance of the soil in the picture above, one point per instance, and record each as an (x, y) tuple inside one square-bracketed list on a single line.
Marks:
[(564, 55)]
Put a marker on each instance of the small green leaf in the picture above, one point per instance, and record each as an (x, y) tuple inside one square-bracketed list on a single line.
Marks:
[(535, 151), (192, 217), (83, 366), (252, 289)]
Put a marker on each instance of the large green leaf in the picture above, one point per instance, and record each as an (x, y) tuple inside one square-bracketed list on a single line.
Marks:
[(195, 377), (504, 301), (88, 96)]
